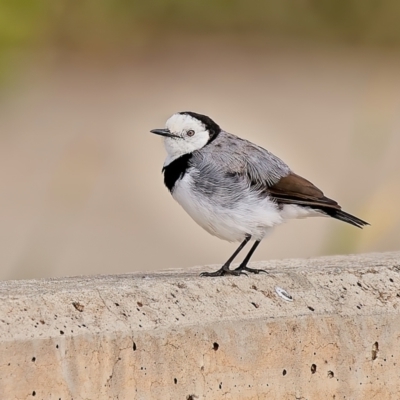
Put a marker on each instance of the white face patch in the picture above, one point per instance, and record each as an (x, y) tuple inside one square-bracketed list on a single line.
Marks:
[(181, 125)]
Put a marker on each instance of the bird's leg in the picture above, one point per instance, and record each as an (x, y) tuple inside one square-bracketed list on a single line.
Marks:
[(224, 270), (243, 266)]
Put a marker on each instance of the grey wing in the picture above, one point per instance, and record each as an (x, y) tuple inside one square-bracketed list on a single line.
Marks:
[(262, 168), (232, 156)]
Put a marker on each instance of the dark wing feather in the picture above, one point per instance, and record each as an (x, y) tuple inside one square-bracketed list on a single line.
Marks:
[(293, 189)]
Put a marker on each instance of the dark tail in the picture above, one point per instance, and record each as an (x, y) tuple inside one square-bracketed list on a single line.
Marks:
[(345, 217)]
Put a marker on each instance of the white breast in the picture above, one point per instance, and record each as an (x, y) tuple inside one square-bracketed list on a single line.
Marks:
[(249, 216)]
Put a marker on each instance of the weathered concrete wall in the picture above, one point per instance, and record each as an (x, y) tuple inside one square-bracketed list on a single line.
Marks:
[(174, 335)]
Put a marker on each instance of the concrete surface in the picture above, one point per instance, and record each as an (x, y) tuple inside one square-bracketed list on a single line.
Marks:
[(174, 335)]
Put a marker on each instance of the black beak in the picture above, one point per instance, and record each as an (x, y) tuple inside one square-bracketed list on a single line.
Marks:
[(164, 132)]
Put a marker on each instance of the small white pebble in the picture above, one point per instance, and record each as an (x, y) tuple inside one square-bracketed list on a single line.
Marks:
[(283, 293)]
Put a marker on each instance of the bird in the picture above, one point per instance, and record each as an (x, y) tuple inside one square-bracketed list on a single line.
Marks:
[(235, 189)]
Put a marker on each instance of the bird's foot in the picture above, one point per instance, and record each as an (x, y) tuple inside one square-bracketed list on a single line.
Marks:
[(224, 271), (242, 268)]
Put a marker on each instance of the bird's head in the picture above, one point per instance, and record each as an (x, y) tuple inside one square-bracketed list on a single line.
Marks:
[(186, 132)]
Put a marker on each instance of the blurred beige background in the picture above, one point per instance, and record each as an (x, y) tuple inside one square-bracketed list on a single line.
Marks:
[(81, 86)]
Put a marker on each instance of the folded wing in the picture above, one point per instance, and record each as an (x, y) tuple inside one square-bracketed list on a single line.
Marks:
[(286, 187), (293, 189)]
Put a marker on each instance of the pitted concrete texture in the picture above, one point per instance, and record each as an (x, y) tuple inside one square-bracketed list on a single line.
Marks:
[(174, 335)]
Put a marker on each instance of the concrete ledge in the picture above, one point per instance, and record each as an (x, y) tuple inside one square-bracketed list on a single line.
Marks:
[(174, 335)]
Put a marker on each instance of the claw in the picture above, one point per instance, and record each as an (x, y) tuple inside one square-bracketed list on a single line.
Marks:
[(224, 271), (251, 270)]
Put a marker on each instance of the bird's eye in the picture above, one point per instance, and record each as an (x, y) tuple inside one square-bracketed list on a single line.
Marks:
[(190, 133)]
